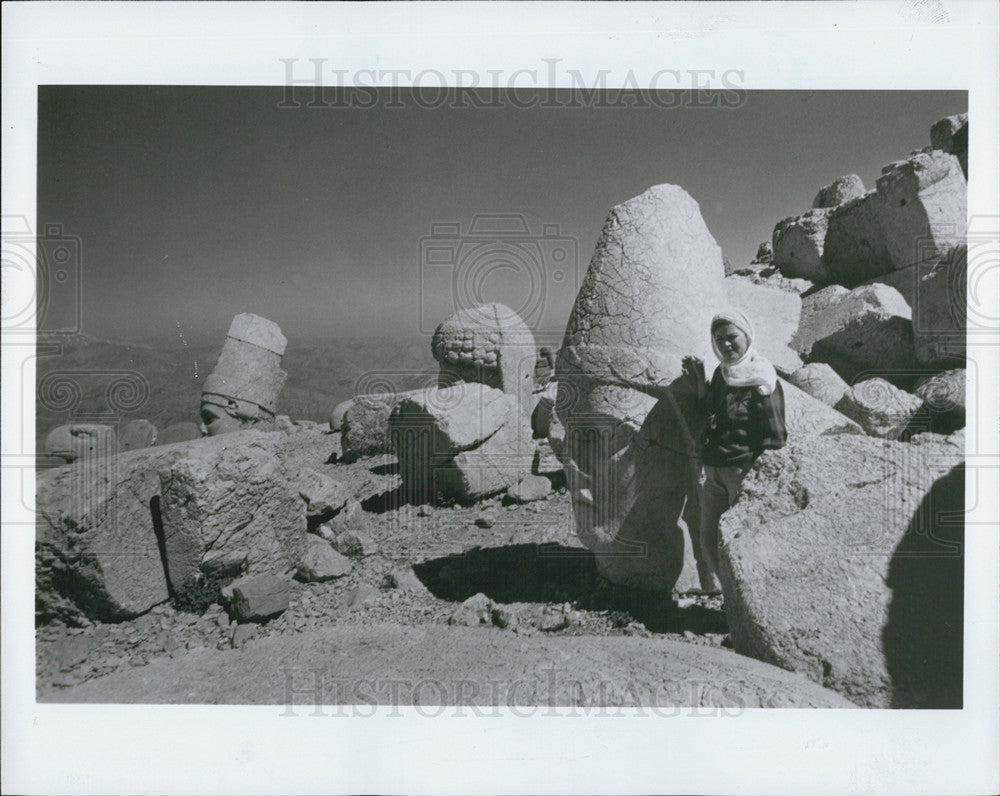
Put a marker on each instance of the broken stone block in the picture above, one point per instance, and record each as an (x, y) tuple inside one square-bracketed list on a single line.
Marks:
[(320, 562), (259, 597), (76, 441), (951, 135), (820, 381), (228, 509), (798, 244), (136, 435), (529, 489)]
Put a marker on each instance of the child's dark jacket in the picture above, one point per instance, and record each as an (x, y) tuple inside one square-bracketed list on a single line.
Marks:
[(742, 423)]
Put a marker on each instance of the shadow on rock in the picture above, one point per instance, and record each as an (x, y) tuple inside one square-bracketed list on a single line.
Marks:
[(922, 638)]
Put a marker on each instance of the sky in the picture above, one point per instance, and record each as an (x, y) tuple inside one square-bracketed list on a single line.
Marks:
[(192, 204)]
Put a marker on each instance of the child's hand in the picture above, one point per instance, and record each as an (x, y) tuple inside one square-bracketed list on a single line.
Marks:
[(693, 369)]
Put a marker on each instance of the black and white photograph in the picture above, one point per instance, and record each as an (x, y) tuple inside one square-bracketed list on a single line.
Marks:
[(380, 387)]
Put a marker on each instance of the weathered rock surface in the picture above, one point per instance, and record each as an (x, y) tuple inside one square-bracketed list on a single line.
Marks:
[(936, 294), (541, 414), (322, 495), (798, 245), (842, 560), (951, 135), (943, 395), (882, 410), (807, 416), (75, 441), (320, 562), (364, 424), (613, 672), (466, 442), (487, 344), (136, 435), (337, 415), (820, 381), (96, 538), (653, 284), (229, 510), (775, 316), (259, 597), (917, 213), (841, 190), (862, 332)]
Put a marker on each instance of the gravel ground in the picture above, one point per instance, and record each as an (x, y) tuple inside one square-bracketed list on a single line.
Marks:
[(424, 563)]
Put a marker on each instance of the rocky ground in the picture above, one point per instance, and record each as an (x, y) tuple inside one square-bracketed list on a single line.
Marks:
[(422, 567)]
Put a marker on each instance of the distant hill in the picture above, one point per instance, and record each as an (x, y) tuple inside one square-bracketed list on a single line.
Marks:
[(321, 374)]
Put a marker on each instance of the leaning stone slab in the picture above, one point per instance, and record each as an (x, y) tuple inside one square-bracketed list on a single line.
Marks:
[(862, 332), (820, 381), (466, 441), (653, 285), (842, 560), (228, 509)]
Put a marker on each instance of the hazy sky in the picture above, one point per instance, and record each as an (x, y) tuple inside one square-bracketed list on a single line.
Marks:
[(193, 204)]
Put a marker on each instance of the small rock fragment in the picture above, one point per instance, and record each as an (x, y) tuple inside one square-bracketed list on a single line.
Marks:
[(259, 597)]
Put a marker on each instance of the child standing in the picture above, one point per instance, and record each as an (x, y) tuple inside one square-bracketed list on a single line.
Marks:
[(745, 407)]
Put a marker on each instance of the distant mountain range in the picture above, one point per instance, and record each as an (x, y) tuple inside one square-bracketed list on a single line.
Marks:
[(75, 373)]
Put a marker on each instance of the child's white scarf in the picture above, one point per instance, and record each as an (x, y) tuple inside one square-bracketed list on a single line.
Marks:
[(751, 369)]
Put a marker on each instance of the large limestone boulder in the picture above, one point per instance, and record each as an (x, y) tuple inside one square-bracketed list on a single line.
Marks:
[(936, 293), (862, 332), (464, 442), (843, 560), (229, 510), (883, 410), (916, 214), (487, 344), (841, 190), (654, 282), (820, 381), (807, 416), (364, 424), (775, 316), (951, 135), (798, 244)]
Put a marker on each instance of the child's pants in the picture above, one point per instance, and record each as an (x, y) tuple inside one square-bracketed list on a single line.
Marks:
[(722, 485)]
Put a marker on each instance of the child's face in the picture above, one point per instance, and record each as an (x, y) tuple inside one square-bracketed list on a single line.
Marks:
[(731, 342)]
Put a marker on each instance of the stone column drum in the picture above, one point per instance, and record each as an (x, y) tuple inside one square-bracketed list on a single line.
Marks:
[(242, 391), (653, 285)]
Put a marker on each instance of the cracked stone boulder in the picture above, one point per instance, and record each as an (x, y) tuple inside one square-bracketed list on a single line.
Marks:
[(916, 214), (96, 548), (843, 560), (862, 332), (228, 510), (883, 410), (841, 190), (951, 135), (364, 424), (775, 315), (464, 442), (242, 391), (652, 287), (820, 381), (487, 344)]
